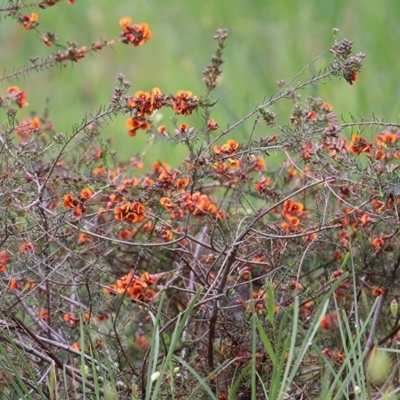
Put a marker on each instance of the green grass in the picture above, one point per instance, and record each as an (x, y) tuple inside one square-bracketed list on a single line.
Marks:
[(268, 41)]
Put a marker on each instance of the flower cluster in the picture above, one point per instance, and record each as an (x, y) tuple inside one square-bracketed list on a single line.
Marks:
[(136, 34), (144, 104), (135, 287), (292, 212), (130, 212), (14, 93), (78, 204)]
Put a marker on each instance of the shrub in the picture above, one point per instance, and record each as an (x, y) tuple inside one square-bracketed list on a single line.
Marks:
[(264, 268)]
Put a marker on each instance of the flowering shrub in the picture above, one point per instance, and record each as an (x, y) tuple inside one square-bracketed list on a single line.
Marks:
[(102, 264)]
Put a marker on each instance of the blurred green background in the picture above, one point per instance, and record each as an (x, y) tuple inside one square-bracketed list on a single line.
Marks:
[(269, 40)]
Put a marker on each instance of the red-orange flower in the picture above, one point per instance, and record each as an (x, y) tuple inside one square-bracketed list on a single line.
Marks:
[(69, 318), (184, 103), (380, 154), (125, 234), (259, 163), (378, 292), (166, 202), (133, 286), (136, 123), (212, 125), (86, 194), (234, 164), (27, 247), (29, 20), (378, 243), (329, 321), (162, 130), (136, 34), (291, 207), (4, 257), (261, 186), (79, 210), (13, 284), (294, 221), (229, 147), (43, 315), (83, 238), (359, 145), (70, 201), (130, 212), (386, 138), (181, 183), (75, 346), (351, 77), (146, 103), (19, 96), (365, 219), (26, 128)]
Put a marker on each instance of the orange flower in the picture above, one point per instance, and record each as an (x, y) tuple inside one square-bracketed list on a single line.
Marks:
[(311, 115), (230, 146), (98, 171), (261, 186), (181, 183), (184, 103), (378, 243), (378, 205), (75, 346), (212, 125), (259, 163), (234, 164), (146, 103), (29, 20), (291, 207), (220, 167), (70, 201), (13, 284), (18, 95), (294, 221), (292, 172), (167, 235), (43, 315), (125, 234), (86, 194), (351, 77), (130, 212), (380, 154), (125, 22), (136, 34), (327, 107), (83, 238), (2, 267), (359, 145), (4, 259), (386, 138), (79, 211), (26, 128), (166, 202), (162, 130), (329, 321), (136, 123), (69, 318), (27, 247), (378, 292), (29, 285)]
